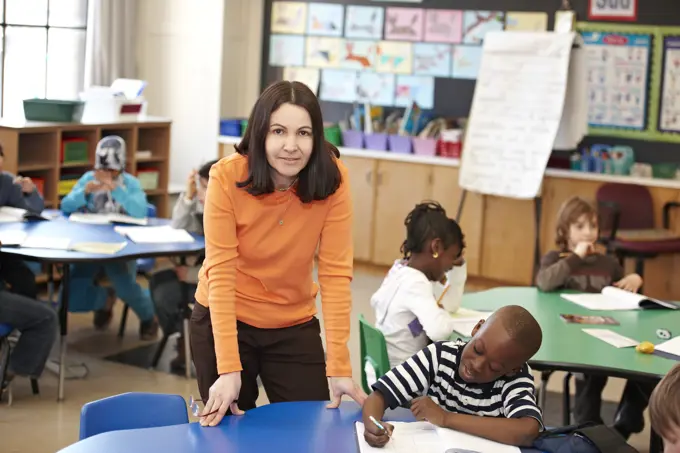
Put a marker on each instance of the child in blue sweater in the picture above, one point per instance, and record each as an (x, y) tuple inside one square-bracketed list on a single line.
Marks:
[(109, 189)]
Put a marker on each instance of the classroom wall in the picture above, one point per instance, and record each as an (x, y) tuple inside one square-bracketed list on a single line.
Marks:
[(180, 54)]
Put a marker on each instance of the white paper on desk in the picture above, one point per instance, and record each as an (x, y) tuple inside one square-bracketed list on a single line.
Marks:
[(102, 248), (155, 235), (417, 437), (52, 243), (465, 320), (12, 237), (516, 112), (455, 440), (11, 215), (613, 338), (105, 219), (671, 346)]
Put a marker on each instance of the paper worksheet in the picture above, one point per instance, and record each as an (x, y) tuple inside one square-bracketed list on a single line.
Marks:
[(671, 346), (155, 235), (105, 219), (613, 338), (99, 248), (12, 238), (418, 437), (454, 441), (466, 320), (41, 242)]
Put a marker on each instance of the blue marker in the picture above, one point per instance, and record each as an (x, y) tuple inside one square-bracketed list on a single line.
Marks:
[(379, 425)]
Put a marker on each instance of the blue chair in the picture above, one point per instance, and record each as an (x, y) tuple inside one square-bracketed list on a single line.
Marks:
[(144, 267), (132, 411), (5, 348)]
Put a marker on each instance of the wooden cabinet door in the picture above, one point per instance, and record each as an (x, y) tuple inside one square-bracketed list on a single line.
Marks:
[(400, 186), (447, 192), (362, 182)]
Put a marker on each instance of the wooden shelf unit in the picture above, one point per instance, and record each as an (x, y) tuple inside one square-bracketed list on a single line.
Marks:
[(33, 149)]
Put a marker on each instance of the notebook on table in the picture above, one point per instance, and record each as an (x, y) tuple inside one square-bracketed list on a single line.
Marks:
[(612, 298)]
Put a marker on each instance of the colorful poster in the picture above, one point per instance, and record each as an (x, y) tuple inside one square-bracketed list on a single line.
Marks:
[(338, 85), (358, 54), (395, 57), (308, 76), (443, 25), (415, 88), (618, 67), (289, 17), (404, 24), (376, 88), (476, 24), (466, 62), (669, 120), (521, 21), (286, 50), (364, 22), (323, 52), (325, 19), (432, 59)]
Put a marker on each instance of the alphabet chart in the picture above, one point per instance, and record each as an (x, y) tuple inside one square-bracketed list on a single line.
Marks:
[(618, 76), (669, 120)]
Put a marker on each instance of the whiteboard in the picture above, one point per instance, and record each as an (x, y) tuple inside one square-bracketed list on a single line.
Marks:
[(516, 112)]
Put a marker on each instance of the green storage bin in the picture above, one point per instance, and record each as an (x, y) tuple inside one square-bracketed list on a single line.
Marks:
[(53, 110), (664, 171), (333, 135)]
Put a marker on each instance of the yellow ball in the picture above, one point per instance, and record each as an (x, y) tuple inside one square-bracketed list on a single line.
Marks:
[(645, 347)]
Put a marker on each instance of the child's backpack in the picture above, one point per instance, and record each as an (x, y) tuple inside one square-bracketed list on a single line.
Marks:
[(588, 438)]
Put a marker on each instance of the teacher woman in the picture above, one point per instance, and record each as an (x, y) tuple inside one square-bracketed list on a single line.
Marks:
[(268, 207)]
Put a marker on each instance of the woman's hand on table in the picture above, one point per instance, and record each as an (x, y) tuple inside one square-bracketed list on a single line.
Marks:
[(345, 386), (223, 396)]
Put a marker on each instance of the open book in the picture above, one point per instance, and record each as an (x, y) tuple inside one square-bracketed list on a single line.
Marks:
[(612, 298), (423, 437), (11, 215), (105, 219)]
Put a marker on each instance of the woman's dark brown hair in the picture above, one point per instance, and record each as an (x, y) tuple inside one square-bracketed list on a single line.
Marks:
[(321, 176), (570, 212)]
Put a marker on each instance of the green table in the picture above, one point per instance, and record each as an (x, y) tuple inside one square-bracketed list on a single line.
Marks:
[(565, 347)]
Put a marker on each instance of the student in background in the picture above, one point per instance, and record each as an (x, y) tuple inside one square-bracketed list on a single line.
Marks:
[(483, 387), (109, 189), (406, 304), (577, 266), (664, 410)]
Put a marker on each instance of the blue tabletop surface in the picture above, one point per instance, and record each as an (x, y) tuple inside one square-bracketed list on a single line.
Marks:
[(276, 428), (79, 232)]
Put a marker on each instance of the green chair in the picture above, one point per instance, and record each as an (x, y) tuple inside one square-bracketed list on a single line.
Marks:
[(373, 353)]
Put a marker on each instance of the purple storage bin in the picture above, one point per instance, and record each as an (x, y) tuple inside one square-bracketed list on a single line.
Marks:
[(400, 144), (376, 142), (353, 139), (425, 146)]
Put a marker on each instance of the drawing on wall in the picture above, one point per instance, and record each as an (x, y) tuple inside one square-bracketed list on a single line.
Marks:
[(395, 57), (669, 120), (323, 52), (289, 17), (618, 67), (443, 25), (466, 62), (432, 59), (325, 19), (338, 85), (286, 50), (476, 24), (418, 89), (308, 76), (522, 21), (375, 88), (404, 24), (364, 22), (357, 54)]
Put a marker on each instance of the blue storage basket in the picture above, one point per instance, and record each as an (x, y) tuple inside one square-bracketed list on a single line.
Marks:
[(231, 128)]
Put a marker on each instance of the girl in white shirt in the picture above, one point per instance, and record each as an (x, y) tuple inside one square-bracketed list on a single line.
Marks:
[(432, 272)]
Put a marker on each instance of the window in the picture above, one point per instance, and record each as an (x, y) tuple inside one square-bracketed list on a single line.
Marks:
[(42, 51)]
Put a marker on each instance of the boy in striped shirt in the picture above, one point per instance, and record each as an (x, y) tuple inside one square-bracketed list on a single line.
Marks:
[(483, 387)]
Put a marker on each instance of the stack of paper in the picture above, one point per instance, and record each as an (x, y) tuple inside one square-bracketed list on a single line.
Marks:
[(155, 235), (101, 248), (422, 437), (105, 219), (12, 238), (40, 242)]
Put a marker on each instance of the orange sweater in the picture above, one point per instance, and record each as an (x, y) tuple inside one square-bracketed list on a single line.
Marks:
[(259, 271)]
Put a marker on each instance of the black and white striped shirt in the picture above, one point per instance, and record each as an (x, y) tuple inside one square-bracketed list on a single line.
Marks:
[(434, 372)]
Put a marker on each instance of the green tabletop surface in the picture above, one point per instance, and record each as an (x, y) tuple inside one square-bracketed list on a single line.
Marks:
[(566, 347)]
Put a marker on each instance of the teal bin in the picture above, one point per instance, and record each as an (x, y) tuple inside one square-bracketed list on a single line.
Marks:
[(53, 110)]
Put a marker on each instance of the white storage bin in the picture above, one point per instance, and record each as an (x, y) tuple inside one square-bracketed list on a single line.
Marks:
[(110, 110)]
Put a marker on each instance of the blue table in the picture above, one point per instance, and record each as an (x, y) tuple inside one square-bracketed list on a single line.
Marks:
[(277, 428), (60, 227)]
